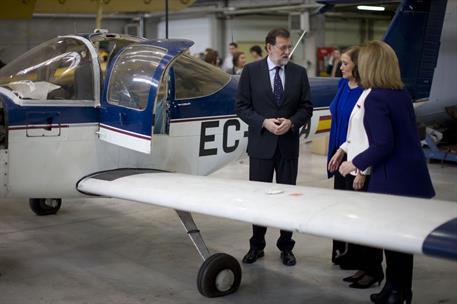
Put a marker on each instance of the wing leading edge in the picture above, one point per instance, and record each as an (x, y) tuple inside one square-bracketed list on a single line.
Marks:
[(412, 225)]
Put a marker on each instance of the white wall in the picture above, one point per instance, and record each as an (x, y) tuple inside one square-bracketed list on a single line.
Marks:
[(345, 32), (252, 28), (198, 30), (205, 31), (342, 32)]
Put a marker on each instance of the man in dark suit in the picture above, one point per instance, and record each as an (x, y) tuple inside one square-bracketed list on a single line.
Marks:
[(274, 100)]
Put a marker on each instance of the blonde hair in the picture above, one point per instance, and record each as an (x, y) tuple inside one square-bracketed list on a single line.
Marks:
[(378, 66)]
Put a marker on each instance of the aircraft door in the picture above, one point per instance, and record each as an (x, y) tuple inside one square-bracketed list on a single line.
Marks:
[(161, 117), (128, 102)]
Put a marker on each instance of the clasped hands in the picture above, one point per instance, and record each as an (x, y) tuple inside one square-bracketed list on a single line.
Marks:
[(345, 168), (277, 126), (359, 180)]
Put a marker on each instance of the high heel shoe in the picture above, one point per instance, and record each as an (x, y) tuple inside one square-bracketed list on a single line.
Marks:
[(355, 277), (367, 281)]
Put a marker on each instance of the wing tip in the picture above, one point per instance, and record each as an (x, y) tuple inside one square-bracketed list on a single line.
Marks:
[(442, 242)]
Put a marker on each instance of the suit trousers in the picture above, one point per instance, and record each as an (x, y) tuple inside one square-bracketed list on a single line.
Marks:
[(367, 258), (339, 248), (399, 270), (262, 170), (347, 255)]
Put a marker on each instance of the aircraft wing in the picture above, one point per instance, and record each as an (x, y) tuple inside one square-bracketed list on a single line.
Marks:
[(412, 225)]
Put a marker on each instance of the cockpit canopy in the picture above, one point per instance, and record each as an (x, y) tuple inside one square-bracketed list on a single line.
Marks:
[(140, 74), (195, 78), (133, 75), (59, 69)]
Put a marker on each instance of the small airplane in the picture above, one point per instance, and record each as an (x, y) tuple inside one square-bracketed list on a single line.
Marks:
[(152, 121)]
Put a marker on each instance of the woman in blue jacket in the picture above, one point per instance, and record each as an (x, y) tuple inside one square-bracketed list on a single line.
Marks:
[(394, 154), (343, 254)]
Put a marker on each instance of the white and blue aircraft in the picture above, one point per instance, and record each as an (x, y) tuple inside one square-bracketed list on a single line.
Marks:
[(149, 124)]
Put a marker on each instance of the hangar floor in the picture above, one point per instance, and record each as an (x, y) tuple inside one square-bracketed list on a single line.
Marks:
[(113, 251)]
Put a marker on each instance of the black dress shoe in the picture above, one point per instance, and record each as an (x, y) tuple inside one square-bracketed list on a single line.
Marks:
[(355, 277), (367, 281), (253, 255), (288, 258)]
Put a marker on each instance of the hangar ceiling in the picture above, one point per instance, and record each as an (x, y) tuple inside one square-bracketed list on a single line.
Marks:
[(24, 9), (285, 7)]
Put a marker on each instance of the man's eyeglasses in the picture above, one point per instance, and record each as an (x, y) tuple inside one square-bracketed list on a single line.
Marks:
[(283, 48)]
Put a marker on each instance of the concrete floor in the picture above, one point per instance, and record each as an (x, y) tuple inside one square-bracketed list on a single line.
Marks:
[(114, 251)]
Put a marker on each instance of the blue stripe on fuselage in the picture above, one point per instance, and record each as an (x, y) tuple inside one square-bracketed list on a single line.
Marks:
[(23, 115), (218, 104)]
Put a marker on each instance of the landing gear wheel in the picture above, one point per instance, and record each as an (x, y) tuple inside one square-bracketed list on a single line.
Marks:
[(45, 206), (219, 275)]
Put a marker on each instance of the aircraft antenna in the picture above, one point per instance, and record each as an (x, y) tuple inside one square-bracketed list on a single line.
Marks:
[(296, 44), (166, 19)]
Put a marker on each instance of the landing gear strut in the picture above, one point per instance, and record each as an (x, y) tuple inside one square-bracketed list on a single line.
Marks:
[(220, 273), (45, 206)]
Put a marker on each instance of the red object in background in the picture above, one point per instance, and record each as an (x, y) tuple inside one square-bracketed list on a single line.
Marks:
[(323, 56)]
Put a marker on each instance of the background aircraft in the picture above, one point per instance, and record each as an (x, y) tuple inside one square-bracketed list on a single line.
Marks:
[(71, 127)]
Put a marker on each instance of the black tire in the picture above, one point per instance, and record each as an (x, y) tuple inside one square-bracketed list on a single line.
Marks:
[(45, 206), (219, 275)]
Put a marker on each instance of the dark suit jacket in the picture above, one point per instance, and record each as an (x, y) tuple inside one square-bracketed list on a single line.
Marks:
[(395, 154), (255, 102)]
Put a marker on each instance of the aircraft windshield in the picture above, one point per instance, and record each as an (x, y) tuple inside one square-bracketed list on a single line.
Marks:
[(60, 69), (196, 78), (132, 76)]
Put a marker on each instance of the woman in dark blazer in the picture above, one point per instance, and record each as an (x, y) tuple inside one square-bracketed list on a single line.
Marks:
[(394, 154)]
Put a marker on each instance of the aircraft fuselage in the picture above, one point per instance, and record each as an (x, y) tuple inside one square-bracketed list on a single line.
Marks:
[(46, 158)]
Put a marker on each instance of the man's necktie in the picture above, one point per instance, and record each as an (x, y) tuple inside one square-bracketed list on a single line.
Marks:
[(278, 91)]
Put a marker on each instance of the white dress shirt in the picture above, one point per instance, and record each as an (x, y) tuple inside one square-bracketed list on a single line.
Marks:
[(227, 66), (272, 71), (356, 139)]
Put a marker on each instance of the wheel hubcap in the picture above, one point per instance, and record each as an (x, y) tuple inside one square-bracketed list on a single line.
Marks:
[(225, 280), (51, 203)]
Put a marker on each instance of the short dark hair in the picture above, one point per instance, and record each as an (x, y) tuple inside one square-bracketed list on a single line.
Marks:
[(277, 32), (257, 49), (234, 44)]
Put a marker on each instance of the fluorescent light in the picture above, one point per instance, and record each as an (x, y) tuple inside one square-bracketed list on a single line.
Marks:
[(371, 8)]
